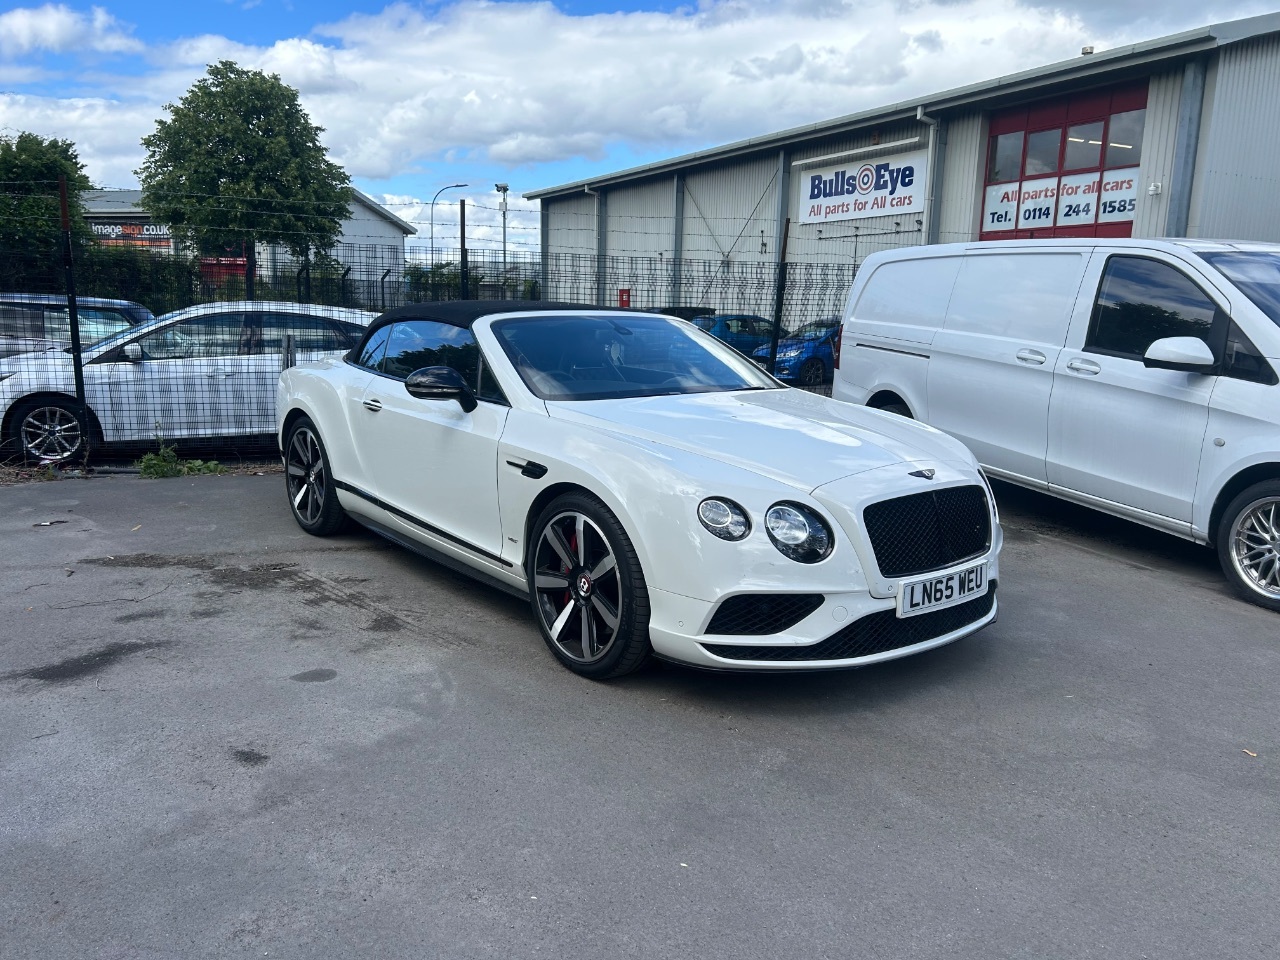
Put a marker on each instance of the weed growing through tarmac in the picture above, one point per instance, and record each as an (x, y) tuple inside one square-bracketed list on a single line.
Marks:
[(165, 463)]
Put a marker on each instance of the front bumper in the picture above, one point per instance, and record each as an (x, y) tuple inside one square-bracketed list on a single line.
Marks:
[(848, 630)]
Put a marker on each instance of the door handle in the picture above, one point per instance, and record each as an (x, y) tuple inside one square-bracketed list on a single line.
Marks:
[(374, 405), (1031, 356), (220, 373), (1086, 367)]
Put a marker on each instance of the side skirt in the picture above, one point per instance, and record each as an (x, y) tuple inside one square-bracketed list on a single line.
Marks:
[(437, 556)]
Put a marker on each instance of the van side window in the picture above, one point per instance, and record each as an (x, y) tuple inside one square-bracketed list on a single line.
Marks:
[(1141, 301), (1243, 361)]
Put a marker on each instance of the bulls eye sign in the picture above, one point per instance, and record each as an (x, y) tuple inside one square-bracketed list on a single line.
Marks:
[(884, 187)]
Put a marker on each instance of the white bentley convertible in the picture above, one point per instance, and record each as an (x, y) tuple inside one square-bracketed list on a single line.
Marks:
[(647, 488)]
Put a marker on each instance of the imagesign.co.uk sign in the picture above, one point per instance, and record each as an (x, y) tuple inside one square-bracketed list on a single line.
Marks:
[(876, 188)]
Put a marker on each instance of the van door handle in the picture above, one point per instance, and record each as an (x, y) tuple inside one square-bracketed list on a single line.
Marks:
[(374, 405), (1031, 356), (1086, 367)]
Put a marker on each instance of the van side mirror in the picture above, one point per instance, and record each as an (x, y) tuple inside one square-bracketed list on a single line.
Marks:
[(131, 352), (440, 383), (1187, 354)]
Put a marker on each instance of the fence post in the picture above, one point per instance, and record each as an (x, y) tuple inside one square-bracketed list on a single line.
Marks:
[(464, 274), (73, 316), (779, 296), (342, 287), (382, 287), (288, 354)]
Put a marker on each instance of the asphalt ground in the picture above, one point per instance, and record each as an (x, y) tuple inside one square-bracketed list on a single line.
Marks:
[(220, 737)]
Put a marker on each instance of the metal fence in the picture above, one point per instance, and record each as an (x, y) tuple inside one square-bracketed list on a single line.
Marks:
[(208, 379)]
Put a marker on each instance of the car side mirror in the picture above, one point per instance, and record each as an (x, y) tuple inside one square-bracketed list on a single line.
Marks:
[(440, 383), (1187, 354), (131, 352)]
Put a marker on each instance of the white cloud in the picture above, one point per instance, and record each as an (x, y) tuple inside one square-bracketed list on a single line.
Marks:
[(56, 28), (522, 83)]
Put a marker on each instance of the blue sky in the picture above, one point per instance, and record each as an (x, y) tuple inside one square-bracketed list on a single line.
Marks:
[(416, 95)]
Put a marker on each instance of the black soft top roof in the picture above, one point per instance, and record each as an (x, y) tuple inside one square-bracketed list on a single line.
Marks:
[(463, 313)]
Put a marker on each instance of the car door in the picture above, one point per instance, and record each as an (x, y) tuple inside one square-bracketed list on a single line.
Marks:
[(991, 367), (174, 388), (249, 379), (1121, 431), (431, 462)]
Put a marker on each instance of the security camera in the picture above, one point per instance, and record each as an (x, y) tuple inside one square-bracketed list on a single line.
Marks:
[(501, 187)]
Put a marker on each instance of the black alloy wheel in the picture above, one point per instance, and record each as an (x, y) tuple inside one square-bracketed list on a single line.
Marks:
[(812, 373), (49, 431), (307, 478), (588, 591)]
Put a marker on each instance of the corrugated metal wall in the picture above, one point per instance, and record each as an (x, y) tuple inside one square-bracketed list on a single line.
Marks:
[(640, 219), (1238, 179), (727, 206), (1158, 137), (572, 224), (962, 176), (850, 241)]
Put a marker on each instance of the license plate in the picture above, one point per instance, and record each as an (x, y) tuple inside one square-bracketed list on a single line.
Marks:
[(933, 593)]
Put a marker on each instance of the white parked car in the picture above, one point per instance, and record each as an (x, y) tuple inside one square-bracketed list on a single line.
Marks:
[(1134, 376), (206, 371), (647, 488)]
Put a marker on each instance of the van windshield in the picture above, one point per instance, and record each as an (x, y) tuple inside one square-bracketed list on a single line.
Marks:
[(1256, 273)]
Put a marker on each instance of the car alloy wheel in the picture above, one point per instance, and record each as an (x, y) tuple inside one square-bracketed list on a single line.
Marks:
[(812, 373), (1255, 547), (51, 433), (311, 495), (579, 593)]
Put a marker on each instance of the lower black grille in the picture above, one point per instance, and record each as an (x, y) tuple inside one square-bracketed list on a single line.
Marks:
[(928, 531), (758, 614), (874, 633)]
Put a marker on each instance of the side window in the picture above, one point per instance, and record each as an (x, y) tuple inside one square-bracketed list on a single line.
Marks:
[(1243, 361), (95, 323), (19, 321), (310, 334), (200, 338), (415, 344), (1141, 301), (488, 388), (371, 355)]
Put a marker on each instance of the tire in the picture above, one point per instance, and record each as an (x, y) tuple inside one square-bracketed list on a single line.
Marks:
[(812, 373), (313, 499), (584, 574), (901, 409), (49, 431), (1248, 540)]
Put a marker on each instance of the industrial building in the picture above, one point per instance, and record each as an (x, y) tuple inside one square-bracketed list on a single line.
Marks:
[(1171, 137)]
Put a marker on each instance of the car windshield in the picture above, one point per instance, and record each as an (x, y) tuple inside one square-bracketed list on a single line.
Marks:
[(1256, 273), (616, 356)]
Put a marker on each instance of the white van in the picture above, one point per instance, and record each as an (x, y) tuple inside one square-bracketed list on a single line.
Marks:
[(1134, 376)]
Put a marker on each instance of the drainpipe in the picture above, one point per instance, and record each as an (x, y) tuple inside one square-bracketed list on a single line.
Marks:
[(937, 148), (602, 222)]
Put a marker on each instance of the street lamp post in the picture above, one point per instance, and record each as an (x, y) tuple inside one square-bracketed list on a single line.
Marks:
[(502, 188), (452, 186)]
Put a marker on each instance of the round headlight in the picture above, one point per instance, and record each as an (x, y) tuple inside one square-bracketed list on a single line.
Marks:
[(798, 532), (724, 518)]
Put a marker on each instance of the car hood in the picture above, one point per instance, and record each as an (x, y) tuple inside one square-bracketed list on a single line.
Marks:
[(798, 438)]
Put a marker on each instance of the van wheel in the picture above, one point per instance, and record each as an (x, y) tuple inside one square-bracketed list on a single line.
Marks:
[(1249, 544)]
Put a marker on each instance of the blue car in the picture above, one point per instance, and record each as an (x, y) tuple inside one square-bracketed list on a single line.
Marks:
[(806, 356), (744, 332)]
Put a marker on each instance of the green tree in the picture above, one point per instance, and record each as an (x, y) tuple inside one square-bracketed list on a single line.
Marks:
[(30, 219), (239, 162)]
